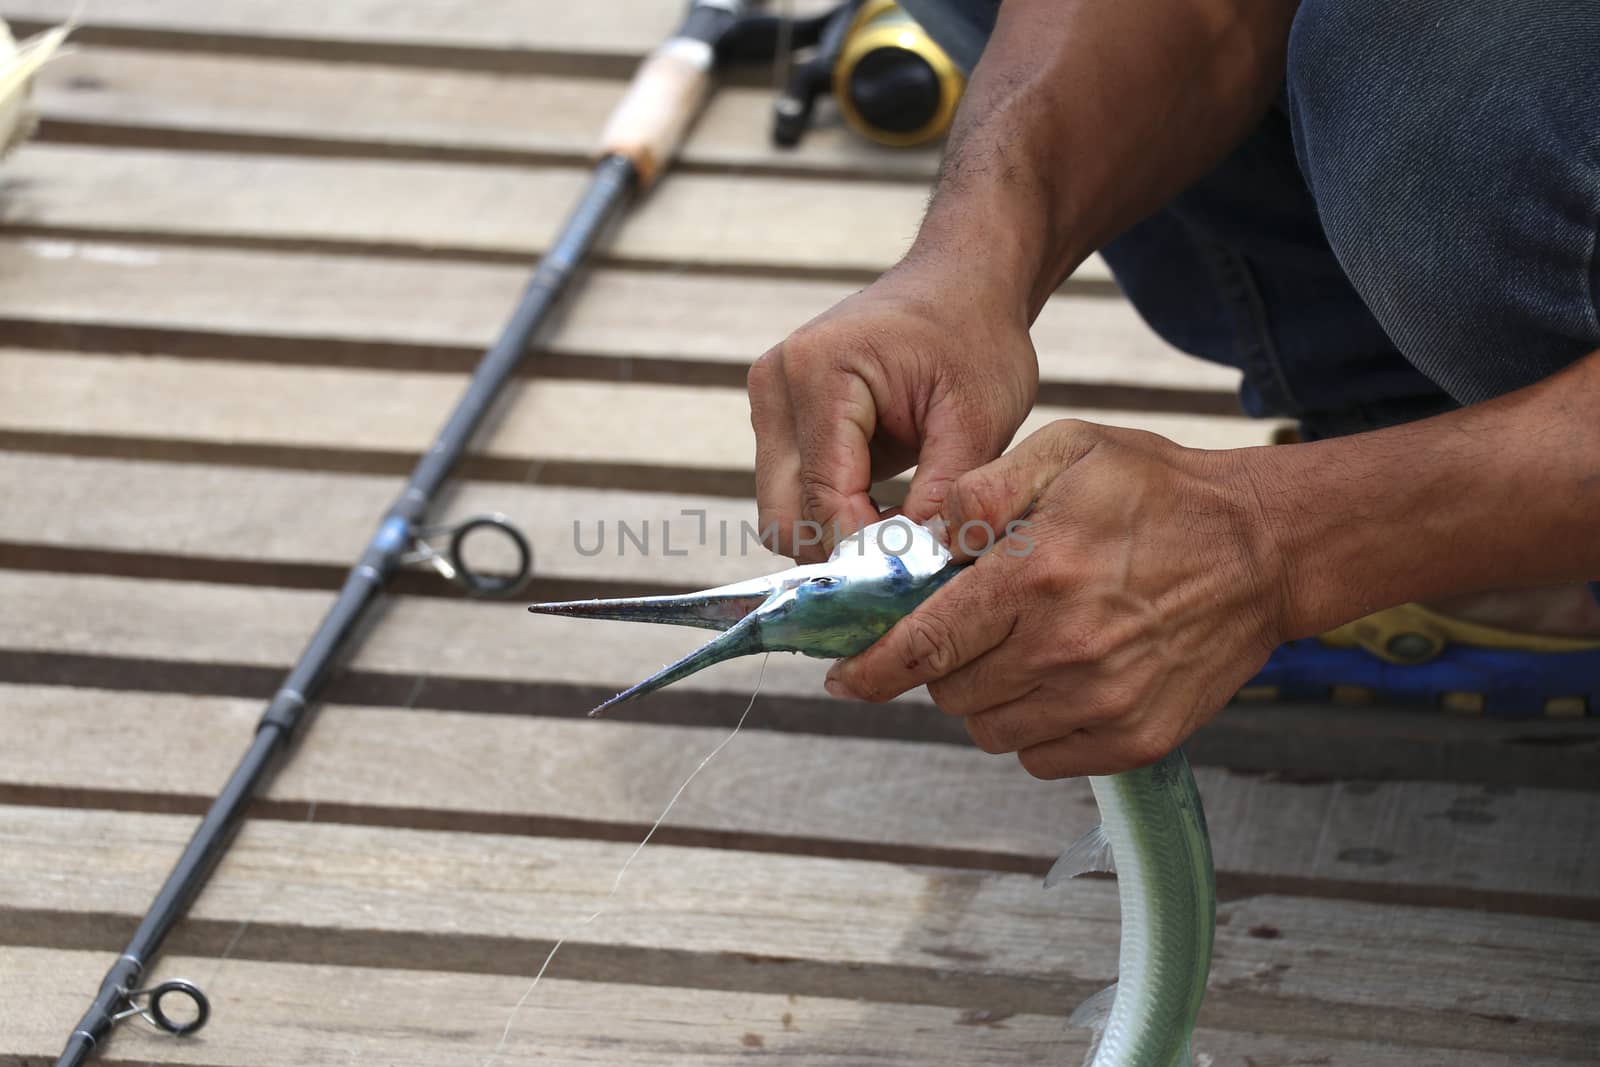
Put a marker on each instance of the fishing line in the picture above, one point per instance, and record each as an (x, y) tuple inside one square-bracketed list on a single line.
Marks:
[(244, 924), (505, 1035), (273, 890), (720, 226)]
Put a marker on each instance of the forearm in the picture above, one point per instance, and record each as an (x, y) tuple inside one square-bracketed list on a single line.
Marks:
[(1498, 495), (1084, 117)]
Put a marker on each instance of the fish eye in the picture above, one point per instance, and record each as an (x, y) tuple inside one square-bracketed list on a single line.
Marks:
[(825, 581)]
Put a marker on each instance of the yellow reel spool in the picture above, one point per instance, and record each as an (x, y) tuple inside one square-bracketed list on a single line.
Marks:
[(892, 83)]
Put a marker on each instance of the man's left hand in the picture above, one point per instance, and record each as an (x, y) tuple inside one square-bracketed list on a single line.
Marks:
[(1141, 590)]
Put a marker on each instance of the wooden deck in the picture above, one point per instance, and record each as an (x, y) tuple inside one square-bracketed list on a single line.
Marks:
[(244, 271)]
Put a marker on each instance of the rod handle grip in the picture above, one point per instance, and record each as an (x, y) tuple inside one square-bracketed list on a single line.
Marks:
[(666, 94)]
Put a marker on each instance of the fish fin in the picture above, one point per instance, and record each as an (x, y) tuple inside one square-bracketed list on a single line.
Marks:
[(1092, 1015), (1091, 852)]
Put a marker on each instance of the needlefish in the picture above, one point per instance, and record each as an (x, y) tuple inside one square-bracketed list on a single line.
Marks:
[(1152, 823)]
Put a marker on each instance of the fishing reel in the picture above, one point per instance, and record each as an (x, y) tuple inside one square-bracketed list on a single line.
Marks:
[(892, 83)]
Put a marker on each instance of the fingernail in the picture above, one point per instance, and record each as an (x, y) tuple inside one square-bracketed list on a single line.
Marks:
[(835, 687), (940, 530)]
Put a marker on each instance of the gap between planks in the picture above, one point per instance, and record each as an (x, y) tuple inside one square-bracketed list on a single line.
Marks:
[(186, 637), (211, 524), (791, 226), (375, 1015), (130, 98), (563, 432), (600, 38), (1431, 843), (773, 924), (297, 307)]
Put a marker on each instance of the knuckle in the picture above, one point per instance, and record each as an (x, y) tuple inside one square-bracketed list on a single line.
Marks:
[(952, 699), (1084, 645), (814, 350), (764, 372), (1106, 705), (1075, 438), (1052, 578), (817, 497), (929, 649), (978, 497), (989, 734), (1045, 762), (771, 522), (1076, 430), (1144, 747), (765, 381)]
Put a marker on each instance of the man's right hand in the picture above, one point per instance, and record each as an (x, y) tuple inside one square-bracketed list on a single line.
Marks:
[(918, 369)]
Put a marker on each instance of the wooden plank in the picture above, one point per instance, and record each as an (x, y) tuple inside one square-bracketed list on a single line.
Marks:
[(339, 409), (199, 522), (813, 226), (878, 931), (166, 98), (296, 1014), (270, 1014), (149, 296), (355, 412), (515, 32), (245, 516), (796, 792)]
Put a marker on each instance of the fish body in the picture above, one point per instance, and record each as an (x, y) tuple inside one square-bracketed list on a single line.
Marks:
[(1152, 822), (1155, 827)]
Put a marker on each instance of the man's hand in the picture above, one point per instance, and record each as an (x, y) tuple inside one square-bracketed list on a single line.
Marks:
[(1143, 589), (913, 370)]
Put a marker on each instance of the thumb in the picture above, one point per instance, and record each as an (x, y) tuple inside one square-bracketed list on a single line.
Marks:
[(982, 503), (949, 452)]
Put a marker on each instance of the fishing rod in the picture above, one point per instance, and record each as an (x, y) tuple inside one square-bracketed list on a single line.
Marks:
[(637, 143)]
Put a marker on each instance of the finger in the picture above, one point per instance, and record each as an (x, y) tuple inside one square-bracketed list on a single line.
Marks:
[(999, 677), (777, 458), (984, 502), (1016, 725), (950, 448), (960, 622), (834, 419), (1037, 712), (1096, 752)]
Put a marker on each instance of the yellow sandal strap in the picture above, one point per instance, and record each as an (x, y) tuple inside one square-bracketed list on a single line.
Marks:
[(1411, 633)]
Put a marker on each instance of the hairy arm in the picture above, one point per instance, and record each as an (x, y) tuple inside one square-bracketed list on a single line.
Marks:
[(1084, 117), (1156, 579), (1503, 494)]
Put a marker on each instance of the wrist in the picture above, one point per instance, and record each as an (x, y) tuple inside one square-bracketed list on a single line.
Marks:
[(978, 266), (1003, 241), (1296, 543), (1353, 534)]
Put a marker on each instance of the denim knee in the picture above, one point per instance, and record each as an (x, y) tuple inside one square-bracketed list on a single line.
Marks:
[(1453, 151)]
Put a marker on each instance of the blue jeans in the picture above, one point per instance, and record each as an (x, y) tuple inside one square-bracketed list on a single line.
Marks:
[(1412, 226)]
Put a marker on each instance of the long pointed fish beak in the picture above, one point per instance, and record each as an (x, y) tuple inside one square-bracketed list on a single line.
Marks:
[(721, 608), (743, 639), (863, 588), (731, 608)]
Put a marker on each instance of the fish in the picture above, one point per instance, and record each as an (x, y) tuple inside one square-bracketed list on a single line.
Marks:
[(1152, 832), (18, 65)]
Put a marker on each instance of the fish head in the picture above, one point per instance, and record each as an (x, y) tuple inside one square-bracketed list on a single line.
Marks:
[(828, 610)]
